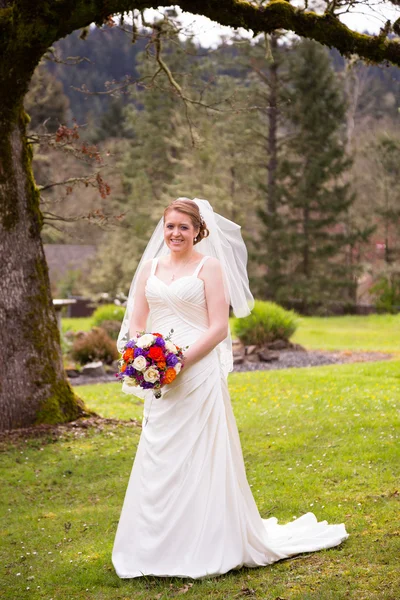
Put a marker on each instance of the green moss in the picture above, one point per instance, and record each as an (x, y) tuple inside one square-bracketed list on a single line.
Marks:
[(62, 406)]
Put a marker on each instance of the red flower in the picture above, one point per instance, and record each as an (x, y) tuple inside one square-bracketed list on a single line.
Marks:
[(156, 353), (157, 334)]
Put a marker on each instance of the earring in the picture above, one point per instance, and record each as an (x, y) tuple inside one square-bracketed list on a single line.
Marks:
[(195, 239)]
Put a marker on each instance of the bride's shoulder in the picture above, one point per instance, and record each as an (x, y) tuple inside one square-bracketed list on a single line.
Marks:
[(146, 268), (212, 262), (212, 266)]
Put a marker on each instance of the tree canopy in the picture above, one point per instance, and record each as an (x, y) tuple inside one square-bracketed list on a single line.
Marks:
[(36, 24)]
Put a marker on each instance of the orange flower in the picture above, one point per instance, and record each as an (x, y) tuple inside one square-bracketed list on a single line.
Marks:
[(156, 353), (157, 334), (123, 368), (129, 353), (161, 364), (169, 375)]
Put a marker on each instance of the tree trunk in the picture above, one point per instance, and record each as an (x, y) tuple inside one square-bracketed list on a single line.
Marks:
[(274, 258), (33, 385)]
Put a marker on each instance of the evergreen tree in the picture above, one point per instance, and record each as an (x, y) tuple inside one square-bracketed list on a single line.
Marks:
[(387, 159), (153, 122), (267, 63), (45, 101), (314, 199)]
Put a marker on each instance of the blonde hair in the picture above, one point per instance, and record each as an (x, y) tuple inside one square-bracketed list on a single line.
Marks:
[(190, 208)]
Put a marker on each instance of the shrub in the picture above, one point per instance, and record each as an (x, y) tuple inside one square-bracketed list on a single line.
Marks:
[(266, 323), (387, 292), (108, 312), (112, 328), (94, 345)]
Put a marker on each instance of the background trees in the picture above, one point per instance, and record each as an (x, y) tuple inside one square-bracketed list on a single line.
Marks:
[(29, 336)]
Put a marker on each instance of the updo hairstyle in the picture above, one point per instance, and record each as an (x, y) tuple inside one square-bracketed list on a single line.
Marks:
[(190, 208)]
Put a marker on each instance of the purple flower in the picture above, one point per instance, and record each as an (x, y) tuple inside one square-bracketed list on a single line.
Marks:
[(130, 344), (146, 385), (130, 371), (159, 342), (140, 352), (171, 359)]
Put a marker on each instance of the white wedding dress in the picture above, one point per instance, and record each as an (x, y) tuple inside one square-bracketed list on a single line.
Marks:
[(188, 509)]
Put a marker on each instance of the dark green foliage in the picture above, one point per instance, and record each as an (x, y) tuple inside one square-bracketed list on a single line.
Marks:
[(313, 200), (45, 101), (267, 322), (387, 292), (387, 158)]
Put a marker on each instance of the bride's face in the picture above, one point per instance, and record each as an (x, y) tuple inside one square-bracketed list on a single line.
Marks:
[(179, 232)]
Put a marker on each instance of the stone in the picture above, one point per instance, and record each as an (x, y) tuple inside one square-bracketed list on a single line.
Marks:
[(250, 350), (298, 347), (252, 358), (238, 359), (115, 366), (93, 369), (279, 345), (71, 373), (266, 356)]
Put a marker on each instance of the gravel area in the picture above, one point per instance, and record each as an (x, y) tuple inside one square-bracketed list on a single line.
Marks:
[(287, 359), (312, 358)]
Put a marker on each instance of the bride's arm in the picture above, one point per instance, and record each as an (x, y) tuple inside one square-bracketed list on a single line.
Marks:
[(218, 313), (141, 308)]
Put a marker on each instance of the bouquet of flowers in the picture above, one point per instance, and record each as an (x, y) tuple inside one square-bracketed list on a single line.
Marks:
[(150, 361)]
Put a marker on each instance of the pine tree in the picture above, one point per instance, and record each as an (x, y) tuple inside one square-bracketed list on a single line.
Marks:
[(314, 199), (151, 157)]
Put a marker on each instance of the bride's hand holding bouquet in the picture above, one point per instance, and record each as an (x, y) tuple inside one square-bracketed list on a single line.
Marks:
[(150, 361)]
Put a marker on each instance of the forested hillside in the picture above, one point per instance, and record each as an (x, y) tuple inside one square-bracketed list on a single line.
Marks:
[(297, 144)]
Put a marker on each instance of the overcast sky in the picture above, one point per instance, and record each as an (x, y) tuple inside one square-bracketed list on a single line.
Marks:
[(209, 33)]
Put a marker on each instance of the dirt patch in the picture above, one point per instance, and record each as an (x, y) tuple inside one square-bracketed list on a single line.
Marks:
[(51, 433)]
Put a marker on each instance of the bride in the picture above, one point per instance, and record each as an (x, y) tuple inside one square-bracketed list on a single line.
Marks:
[(188, 509)]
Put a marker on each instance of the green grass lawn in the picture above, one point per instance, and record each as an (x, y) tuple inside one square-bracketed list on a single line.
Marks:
[(374, 333), (76, 323), (324, 439)]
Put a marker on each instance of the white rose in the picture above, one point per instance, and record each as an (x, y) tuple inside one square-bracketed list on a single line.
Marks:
[(177, 367), (145, 340), (171, 347), (151, 375), (140, 363)]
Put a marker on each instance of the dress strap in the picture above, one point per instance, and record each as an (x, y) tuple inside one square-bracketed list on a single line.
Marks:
[(201, 263), (154, 265)]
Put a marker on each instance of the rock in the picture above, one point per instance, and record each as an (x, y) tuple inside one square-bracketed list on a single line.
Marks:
[(238, 359), (93, 369), (115, 366), (252, 358), (278, 345), (250, 350), (71, 373), (297, 348), (266, 356)]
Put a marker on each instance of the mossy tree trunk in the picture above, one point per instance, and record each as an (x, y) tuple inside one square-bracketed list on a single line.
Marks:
[(33, 387)]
